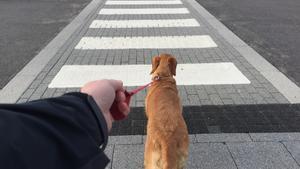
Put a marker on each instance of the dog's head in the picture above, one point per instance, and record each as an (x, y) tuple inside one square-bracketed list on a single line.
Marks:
[(164, 65)]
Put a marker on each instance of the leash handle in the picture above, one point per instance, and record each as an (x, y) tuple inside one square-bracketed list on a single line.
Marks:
[(114, 109)]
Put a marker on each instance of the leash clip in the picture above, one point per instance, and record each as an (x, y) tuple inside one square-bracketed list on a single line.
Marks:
[(156, 78)]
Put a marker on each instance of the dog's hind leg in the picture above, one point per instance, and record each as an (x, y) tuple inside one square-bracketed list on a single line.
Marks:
[(146, 154), (152, 159), (169, 155)]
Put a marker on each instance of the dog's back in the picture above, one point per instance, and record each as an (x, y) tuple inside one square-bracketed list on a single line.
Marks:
[(167, 137)]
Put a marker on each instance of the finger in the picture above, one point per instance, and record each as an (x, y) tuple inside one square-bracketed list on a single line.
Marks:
[(124, 108), (116, 84), (120, 97)]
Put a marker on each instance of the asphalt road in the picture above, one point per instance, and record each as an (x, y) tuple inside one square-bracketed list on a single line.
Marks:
[(271, 27), (27, 26)]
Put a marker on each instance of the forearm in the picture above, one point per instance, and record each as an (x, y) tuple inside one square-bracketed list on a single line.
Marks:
[(68, 129)]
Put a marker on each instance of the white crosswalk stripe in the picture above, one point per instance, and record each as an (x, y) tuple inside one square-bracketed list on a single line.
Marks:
[(144, 23), (142, 11), (143, 2), (136, 75), (150, 42)]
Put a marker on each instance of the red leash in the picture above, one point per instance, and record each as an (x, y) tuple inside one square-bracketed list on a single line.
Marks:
[(115, 112)]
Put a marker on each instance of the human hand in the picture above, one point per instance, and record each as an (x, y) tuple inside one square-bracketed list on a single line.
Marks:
[(105, 92)]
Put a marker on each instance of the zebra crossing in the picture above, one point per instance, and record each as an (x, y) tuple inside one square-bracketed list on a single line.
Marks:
[(118, 42), (135, 75)]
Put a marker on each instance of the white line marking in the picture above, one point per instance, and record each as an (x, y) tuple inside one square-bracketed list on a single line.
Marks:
[(141, 11), (136, 75), (151, 42), (142, 2), (144, 23)]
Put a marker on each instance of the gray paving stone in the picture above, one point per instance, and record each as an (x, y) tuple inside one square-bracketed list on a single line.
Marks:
[(275, 136), (41, 89), (216, 100), (294, 148), (192, 138), (35, 84), (47, 80), (263, 92), (140, 103), (109, 153), (218, 138), (261, 79), (128, 156), (182, 93), (214, 129), (227, 101), (210, 156), (258, 99), (93, 60), (49, 93), (22, 100), (261, 155), (41, 75), (134, 139), (250, 89), (61, 90), (193, 100), (237, 99), (202, 94), (205, 102), (210, 89), (230, 89), (35, 97), (249, 101), (280, 98), (141, 95), (271, 100), (270, 88), (28, 93), (191, 90), (56, 94)]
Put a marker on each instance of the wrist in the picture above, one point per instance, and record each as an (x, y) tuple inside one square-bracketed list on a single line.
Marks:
[(108, 119)]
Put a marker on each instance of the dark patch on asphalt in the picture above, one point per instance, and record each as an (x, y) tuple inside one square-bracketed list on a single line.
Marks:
[(271, 27), (222, 119), (27, 26)]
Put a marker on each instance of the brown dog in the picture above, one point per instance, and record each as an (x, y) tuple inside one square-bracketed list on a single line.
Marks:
[(167, 136)]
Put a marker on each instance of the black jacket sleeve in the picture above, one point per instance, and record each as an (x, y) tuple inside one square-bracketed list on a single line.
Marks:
[(66, 132)]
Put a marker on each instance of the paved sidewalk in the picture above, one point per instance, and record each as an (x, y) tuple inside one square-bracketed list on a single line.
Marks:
[(225, 86), (215, 151)]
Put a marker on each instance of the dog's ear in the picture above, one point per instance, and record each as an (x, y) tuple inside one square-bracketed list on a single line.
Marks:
[(155, 63), (172, 65)]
